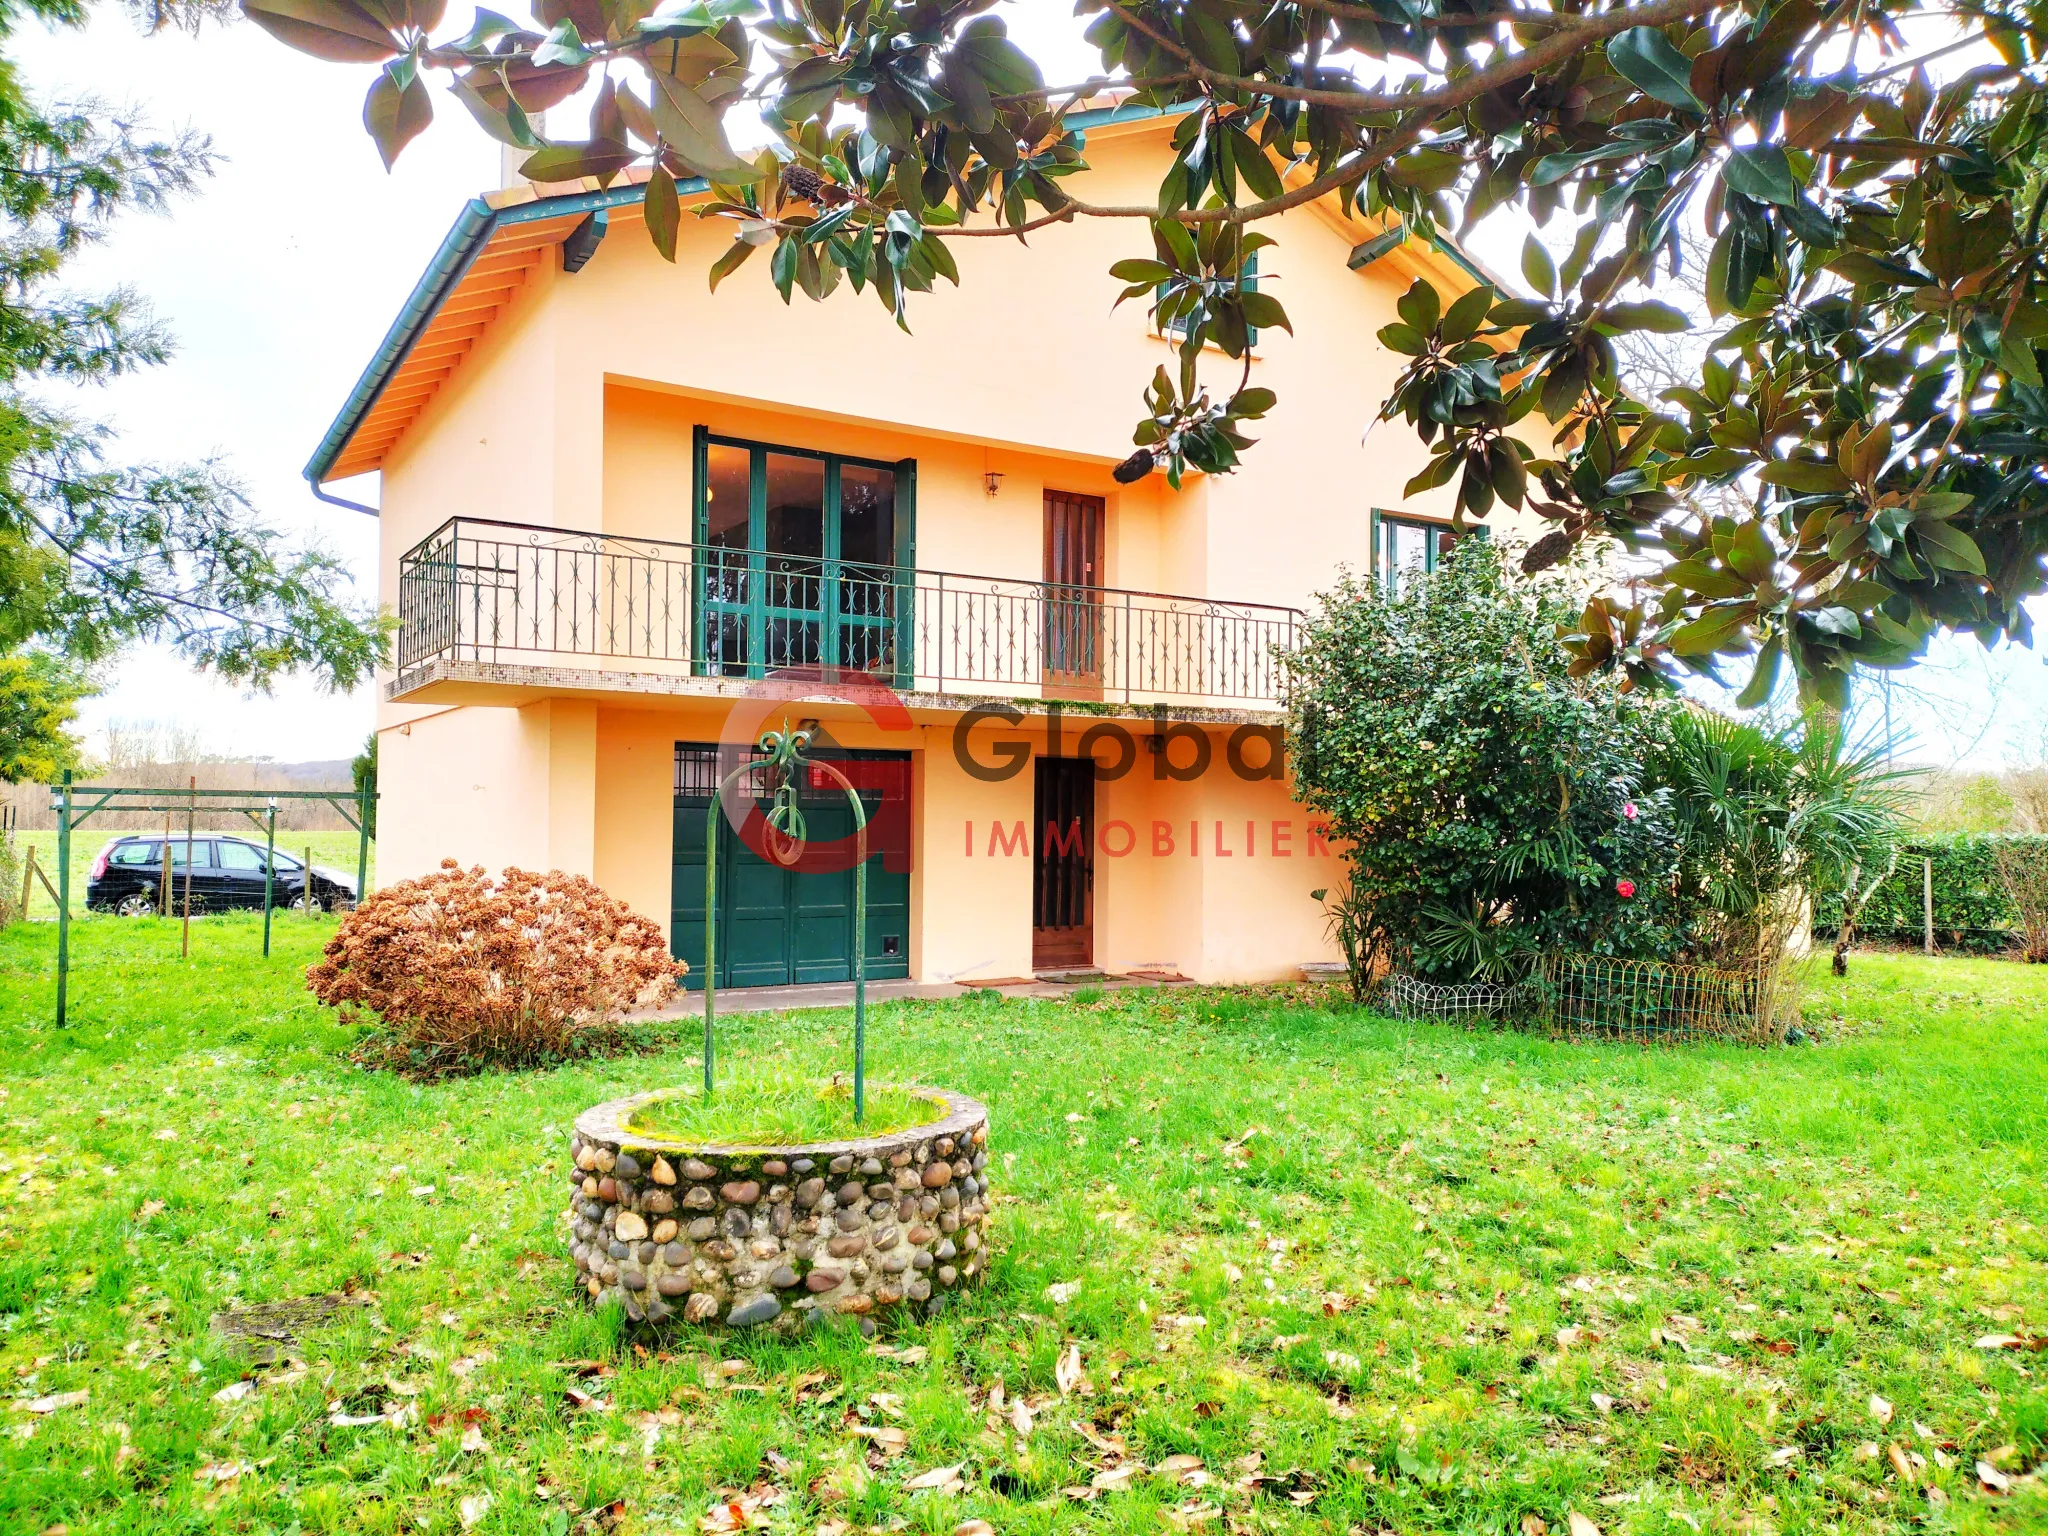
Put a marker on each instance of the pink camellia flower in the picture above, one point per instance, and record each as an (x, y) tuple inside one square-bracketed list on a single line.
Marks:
[(1627, 888), (1628, 809)]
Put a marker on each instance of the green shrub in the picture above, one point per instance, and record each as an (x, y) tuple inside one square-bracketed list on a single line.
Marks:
[(1492, 803)]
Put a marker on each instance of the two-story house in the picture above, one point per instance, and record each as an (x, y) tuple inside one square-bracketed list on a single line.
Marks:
[(615, 506)]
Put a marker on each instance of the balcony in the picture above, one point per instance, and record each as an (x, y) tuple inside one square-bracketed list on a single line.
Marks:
[(478, 596)]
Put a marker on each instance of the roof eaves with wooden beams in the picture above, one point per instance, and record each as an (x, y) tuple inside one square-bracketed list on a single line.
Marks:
[(488, 254)]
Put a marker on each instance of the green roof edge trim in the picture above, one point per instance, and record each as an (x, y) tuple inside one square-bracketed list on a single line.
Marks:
[(460, 247)]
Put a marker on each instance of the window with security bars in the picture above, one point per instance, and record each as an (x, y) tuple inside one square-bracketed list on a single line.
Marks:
[(697, 770), (698, 773)]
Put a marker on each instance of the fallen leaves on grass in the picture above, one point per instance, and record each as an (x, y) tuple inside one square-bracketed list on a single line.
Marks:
[(1067, 1372), (939, 1480), (1880, 1410), (218, 1472), (740, 1511), (57, 1401), (889, 1440), (2034, 1342), (235, 1391)]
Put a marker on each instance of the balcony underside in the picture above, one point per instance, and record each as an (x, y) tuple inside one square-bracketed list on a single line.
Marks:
[(447, 682)]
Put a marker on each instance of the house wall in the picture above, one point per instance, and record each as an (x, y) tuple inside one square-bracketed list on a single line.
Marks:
[(575, 409)]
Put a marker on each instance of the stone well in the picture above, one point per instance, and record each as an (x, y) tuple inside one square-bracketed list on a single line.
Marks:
[(752, 1236)]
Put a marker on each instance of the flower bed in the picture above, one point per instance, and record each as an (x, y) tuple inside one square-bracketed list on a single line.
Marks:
[(753, 1236)]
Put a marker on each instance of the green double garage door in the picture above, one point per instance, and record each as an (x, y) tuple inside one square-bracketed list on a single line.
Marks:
[(781, 926)]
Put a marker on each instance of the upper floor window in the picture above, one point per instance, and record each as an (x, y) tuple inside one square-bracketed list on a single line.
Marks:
[(806, 554), (1401, 545)]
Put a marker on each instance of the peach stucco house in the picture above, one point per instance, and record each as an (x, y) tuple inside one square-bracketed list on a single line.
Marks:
[(612, 502)]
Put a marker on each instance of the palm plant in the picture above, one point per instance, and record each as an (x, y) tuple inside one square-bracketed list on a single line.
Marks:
[(1768, 816)]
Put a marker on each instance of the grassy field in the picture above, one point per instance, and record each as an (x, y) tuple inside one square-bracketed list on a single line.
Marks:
[(333, 848), (1261, 1266)]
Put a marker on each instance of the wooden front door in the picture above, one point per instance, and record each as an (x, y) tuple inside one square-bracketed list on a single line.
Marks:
[(1073, 592), (1063, 864)]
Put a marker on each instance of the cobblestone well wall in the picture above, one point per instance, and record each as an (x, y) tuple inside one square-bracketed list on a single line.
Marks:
[(764, 1236)]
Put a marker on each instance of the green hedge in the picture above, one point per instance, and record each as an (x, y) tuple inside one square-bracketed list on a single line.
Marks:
[(1971, 908)]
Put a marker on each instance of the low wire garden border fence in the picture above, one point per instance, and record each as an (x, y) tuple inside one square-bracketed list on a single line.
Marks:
[(1599, 997)]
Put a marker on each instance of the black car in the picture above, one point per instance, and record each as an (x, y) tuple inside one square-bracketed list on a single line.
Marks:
[(226, 872)]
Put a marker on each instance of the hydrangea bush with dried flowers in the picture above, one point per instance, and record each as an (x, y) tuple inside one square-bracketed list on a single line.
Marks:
[(465, 970)]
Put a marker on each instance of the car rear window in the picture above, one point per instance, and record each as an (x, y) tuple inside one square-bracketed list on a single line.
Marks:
[(134, 853)]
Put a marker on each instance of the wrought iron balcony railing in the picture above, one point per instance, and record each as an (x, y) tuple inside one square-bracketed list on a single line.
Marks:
[(475, 590)]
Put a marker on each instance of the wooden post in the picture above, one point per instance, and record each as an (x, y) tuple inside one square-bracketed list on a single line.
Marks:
[(365, 799), (185, 933), (269, 872), (28, 880), (63, 898), (1927, 904), (163, 895), (306, 890)]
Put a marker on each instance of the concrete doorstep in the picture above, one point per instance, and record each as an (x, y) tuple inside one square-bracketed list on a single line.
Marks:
[(839, 994)]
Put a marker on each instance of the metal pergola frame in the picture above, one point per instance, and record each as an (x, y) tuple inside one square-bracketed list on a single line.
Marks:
[(75, 806)]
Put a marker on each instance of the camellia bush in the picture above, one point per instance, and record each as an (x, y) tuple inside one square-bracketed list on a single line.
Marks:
[(1492, 804), (464, 970), (1865, 177)]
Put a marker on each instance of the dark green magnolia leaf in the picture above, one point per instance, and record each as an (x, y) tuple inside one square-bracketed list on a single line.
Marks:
[(663, 210), (1649, 61), (729, 262), (1136, 270), (1860, 596), (1511, 313), (396, 114), (1807, 476), (1709, 581), (1716, 629), (1751, 555), (571, 162), (1948, 548), (1262, 311), (337, 30), (1763, 681), (1426, 170), (1646, 315), (1253, 402), (1467, 314), (484, 29), (695, 131), (782, 271), (1554, 168), (1862, 267), (501, 119), (1761, 171), (1420, 306), (1004, 68), (562, 45), (1401, 337), (1538, 268)]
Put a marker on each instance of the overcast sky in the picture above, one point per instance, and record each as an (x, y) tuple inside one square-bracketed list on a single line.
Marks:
[(279, 279)]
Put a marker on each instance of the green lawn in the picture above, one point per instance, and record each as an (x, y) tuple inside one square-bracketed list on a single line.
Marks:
[(1307, 1270)]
